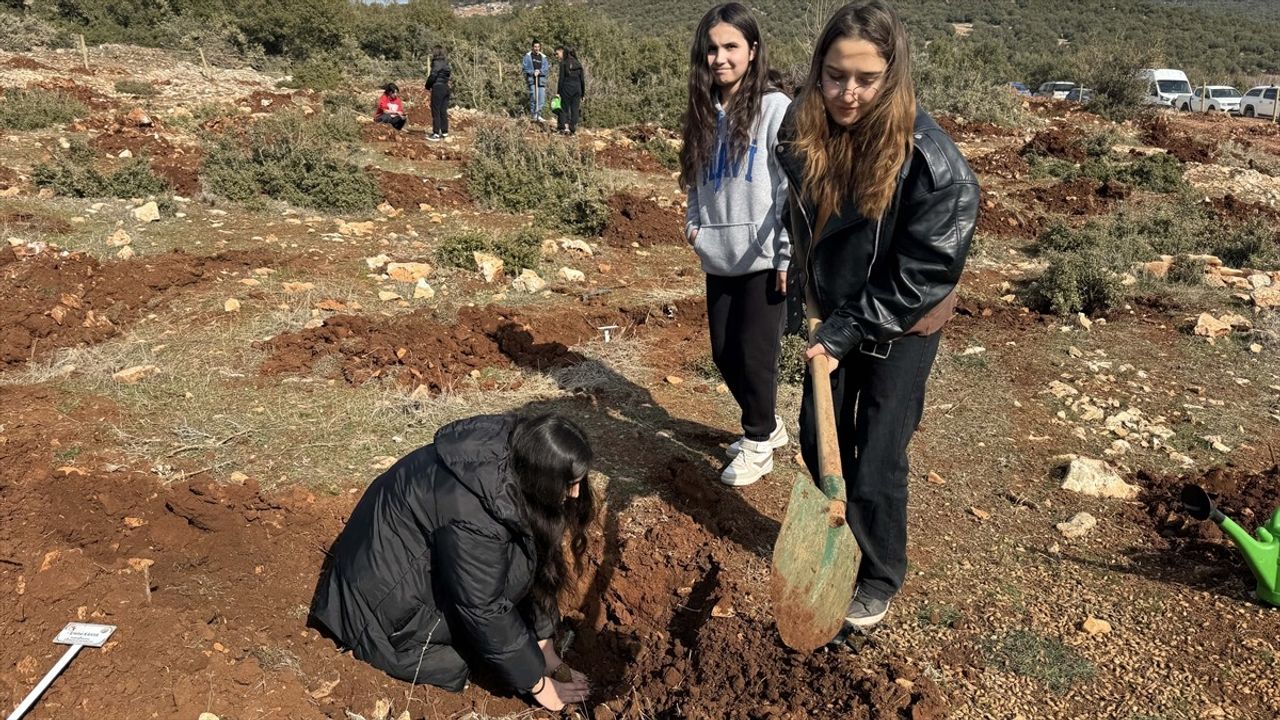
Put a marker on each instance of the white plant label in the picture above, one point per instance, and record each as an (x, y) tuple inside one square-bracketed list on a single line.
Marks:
[(85, 634)]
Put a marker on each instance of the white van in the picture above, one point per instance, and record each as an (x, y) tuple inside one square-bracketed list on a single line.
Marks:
[(1164, 85)]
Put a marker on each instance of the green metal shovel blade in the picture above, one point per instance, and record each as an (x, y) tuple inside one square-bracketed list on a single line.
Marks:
[(814, 566)]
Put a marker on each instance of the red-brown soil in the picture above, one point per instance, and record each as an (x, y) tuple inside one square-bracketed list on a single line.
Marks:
[(1003, 221), (1058, 142), (181, 169), (1156, 131), (19, 62), (1078, 197), (79, 92), (274, 101), (55, 302), (33, 222), (1004, 163), (971, 130), (1231, 209), (410, 143), (138, 141), (617, 157), (8, 177), (407, 192), (634, 220)]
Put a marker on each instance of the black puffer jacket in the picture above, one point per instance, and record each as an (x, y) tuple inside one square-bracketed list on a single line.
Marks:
[(573, 79), (875, 279), (438, 78), (438, 547)]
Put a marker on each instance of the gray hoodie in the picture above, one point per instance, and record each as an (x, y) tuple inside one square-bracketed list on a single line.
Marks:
[(736, 205)]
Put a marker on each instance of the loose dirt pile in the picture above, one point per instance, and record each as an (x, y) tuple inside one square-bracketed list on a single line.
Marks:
[(1003, 163), (1003, 221), (971, 130), (1058, 142), (617, 157), (20, 62), (409, 144), (1232, 210), (635, 221), (407, 192), (77, 91), (1157, 132), (1079, 197), (19, 221), (55, 302), (267, 102)]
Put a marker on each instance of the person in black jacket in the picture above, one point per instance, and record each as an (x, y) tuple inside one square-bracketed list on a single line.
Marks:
[(572, 86), (455, 556), (882, 208), (438, 88)]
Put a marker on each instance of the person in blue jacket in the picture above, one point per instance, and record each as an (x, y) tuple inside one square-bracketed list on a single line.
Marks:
[(536, 68)]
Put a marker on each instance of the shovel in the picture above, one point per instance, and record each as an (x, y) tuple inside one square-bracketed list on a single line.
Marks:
[(815, 559)]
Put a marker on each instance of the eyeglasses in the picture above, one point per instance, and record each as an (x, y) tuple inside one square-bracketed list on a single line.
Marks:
[(834, 89)]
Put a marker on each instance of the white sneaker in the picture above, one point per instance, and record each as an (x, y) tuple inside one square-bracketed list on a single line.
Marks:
[(776, 440), (753, 461)]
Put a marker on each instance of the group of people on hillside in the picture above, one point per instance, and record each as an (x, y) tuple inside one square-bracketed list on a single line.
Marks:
[(847, 197), (571, 86)]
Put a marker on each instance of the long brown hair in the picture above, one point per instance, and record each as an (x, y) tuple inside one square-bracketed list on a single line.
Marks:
[(862, 161), (699, 122)]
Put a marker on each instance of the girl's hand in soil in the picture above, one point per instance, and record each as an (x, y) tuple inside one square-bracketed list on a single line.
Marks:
[(553, 661), (554, 695), (820, 349)]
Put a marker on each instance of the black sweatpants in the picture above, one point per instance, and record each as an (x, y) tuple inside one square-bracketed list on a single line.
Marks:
[(745, 314), (570, 112), (440, 111), (395, 121), (878, 404)]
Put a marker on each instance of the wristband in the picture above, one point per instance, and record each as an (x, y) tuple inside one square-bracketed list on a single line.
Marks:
[(542, 684)]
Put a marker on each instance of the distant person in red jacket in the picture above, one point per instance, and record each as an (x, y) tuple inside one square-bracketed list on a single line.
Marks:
[(390, 107)]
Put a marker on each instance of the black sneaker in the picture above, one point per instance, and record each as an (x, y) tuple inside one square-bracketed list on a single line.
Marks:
[(865, 612)]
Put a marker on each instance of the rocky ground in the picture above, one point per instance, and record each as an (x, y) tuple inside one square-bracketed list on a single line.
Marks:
[(194, 394)]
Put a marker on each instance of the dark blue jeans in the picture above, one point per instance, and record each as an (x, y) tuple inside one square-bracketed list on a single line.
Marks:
[(878, 404)]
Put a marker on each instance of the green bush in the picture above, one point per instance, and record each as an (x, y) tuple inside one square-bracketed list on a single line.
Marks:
[(1186, 270), (1076, 282), (339, 103), (966, 79), (292, 158), (1160, 173), (320, 73), (24, 32), (72, 176), (667, 154), (1044, 658), (1099, 144), (519, 250), (559, 181), (1254, 244), (38, 109), (138, 88), (457, 249)]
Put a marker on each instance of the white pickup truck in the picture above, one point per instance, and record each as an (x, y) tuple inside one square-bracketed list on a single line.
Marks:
[(1210, 98)]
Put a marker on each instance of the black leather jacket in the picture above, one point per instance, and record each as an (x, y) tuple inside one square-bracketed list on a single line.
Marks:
[(875, 279)]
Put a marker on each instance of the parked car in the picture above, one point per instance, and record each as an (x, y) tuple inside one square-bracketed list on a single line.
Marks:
[(1164, 85), (1019, 88), (1080, 95), (1211, 98), (1259, 102), (1056, 89)]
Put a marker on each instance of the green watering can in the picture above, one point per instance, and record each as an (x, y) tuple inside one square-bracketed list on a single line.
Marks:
[(1261, 553)]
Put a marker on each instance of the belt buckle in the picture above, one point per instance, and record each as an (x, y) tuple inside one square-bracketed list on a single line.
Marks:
[(876, 350)]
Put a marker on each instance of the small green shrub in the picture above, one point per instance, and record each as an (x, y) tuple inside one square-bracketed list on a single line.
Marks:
[(316, 73), (1186, 270), (138, 88), (292, 158), (37, 109), (456, 249), (1099, 144), (1254, 244), (519, 250), (664, 152), (1160, 173), (1076, 282), (557, 180), (336, 103), (70, 176)]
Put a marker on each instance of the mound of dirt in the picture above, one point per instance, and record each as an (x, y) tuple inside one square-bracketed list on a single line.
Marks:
[(640, 221), (181, 169), (1059, 142), (55, 302), (1079, 197), (407, 192), (33, 222), (21, 62), (138, 141), (261, 101), (409, 144), (1004, 163), (1003, 221), (971, 130), (75, 90), (1232, 210), (420, 349), (1249, 498), (1157, 132), (617, 157)]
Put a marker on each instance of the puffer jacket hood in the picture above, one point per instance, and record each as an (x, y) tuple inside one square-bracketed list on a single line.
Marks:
[(475, 452)]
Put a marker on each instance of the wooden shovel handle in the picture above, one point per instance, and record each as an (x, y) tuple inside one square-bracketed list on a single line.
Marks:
[(832, 480)]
